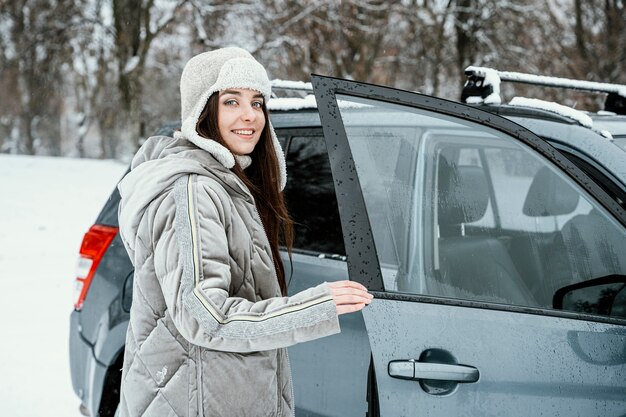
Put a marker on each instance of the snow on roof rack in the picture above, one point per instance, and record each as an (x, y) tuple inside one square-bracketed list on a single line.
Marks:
[(292, 103), (306, 101), (483, 81), (520, 77), (291, 85), (559, 109), (578, 116)]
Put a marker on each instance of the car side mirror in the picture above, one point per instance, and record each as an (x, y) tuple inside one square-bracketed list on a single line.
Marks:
[(604, 296)]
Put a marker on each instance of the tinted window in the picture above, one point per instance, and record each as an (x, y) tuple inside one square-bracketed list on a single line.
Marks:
[(310, 196), (464, 211), (282, 140)]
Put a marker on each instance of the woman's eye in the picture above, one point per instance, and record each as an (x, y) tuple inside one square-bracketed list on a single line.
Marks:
[(258, 104), (230, 102)]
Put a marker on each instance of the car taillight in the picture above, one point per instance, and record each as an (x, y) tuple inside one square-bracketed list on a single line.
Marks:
[(95, 243)]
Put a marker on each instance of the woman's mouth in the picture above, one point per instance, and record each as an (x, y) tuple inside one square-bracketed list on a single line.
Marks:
[(243, 132)]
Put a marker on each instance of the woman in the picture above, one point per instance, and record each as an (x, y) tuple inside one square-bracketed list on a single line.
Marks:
[(201, 217)]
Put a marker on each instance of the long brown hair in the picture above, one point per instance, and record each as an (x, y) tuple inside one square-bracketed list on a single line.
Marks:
[(262, 178)]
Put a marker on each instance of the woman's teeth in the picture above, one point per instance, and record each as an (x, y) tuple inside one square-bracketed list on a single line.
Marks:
[(243, 132)]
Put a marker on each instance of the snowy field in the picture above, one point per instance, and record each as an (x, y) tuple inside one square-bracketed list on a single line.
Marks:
[(47, 206)]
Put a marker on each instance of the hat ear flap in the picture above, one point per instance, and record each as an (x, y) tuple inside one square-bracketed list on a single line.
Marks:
[(189, 131), (280, 156)]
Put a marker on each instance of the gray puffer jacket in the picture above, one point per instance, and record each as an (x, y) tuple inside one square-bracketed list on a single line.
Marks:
[(208, 325)]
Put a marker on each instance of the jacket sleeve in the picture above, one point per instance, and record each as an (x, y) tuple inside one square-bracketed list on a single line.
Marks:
[(191, 260)]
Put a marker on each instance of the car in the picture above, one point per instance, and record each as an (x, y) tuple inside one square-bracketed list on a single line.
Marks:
[(492, 236)]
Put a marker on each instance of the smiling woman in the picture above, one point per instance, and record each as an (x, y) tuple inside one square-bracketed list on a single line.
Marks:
[(202, 215)]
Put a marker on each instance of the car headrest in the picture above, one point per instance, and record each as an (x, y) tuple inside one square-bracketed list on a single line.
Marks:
[(463, 193), (549, 195)]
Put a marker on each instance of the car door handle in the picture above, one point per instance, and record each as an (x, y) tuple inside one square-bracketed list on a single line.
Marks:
[(415, 370)]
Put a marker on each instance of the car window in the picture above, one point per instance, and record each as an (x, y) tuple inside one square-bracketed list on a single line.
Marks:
[(461, 210), (310, 196)]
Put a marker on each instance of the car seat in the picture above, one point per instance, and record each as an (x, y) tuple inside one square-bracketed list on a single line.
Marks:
[(540, 255), (594, 246), (586, 247), (477, 267)]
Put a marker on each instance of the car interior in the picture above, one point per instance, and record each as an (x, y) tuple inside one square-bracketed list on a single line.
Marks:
[(490, 262)]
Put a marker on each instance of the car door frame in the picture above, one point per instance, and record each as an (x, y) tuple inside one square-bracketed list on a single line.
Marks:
[(363, 263)]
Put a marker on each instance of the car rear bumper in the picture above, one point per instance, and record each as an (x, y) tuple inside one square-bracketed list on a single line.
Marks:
[(87, 372)]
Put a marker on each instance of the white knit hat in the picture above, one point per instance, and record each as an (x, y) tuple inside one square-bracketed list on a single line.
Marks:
[(214, 71)]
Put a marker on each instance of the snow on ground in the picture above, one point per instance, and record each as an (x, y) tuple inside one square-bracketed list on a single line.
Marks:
[(47, 206)]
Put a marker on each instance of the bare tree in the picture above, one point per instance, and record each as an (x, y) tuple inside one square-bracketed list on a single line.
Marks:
[(588, 42), (296, 37), (37, 35), (137, 23), (600, 30)]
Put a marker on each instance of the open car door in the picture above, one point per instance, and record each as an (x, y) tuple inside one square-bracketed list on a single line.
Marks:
[(497, 266)]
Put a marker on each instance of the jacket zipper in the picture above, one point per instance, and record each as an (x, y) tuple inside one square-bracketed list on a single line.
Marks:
[(199, 381), (279, 388)]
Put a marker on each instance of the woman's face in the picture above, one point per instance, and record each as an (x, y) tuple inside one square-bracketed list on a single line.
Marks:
[(240, 119)]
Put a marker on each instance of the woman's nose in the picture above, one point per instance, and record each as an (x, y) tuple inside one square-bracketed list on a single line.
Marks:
[(248, 114)]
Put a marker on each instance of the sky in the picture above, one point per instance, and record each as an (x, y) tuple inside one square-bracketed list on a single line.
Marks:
[(47, 206)]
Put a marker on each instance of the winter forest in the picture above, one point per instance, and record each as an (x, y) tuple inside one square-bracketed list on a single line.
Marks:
[(92, 78)]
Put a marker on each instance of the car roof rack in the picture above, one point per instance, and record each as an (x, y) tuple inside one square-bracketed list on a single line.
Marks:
[(483, 85)]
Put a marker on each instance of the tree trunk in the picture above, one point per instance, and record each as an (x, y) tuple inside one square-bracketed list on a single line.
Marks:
[(26, 114), (464, 33), (579, 30)]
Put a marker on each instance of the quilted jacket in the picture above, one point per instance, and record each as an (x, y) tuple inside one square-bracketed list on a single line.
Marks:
[(208, 325)]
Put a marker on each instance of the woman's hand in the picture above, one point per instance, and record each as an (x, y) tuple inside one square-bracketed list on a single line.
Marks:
[(349, 296)]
